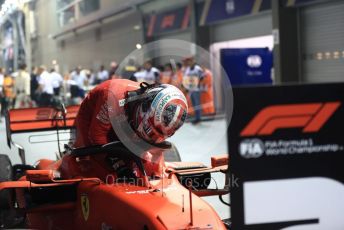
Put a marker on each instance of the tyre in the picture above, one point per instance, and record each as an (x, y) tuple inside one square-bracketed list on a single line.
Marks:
[(5, 175), (172, 154)]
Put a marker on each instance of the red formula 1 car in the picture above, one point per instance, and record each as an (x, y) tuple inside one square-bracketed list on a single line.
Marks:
[(83, 191)]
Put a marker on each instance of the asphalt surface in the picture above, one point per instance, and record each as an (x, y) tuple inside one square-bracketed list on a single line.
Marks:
[(196, 143)]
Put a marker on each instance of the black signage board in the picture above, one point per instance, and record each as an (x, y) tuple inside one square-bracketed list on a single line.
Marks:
[(286, 145)]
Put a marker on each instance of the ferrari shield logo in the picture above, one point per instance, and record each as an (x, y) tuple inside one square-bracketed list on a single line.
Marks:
[(85, 206)]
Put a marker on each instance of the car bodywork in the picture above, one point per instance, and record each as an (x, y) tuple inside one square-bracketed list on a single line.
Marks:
[(81, 191)]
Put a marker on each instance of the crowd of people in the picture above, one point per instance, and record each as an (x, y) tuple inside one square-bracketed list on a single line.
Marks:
[(47, 87)]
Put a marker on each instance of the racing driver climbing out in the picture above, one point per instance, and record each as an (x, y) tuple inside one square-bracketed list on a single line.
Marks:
[(154, 113)]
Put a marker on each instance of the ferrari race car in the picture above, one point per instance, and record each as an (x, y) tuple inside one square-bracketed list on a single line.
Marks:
[(83, 190)]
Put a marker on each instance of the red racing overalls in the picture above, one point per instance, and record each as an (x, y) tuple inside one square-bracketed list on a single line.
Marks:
[(93, 126)]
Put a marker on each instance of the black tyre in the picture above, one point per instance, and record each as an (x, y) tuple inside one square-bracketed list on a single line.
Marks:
[(172, 154), (8, 216), (5, 175)]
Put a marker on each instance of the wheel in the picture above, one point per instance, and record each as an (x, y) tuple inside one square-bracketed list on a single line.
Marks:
[(5, 175), (172, 154)]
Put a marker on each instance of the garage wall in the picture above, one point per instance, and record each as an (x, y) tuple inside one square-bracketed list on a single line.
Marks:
[(245, 27), (322, 41), (43, 47), (100, 43), (185, 35)]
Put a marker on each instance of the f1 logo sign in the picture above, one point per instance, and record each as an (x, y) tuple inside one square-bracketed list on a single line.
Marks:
[(310, 116), (168, 21)]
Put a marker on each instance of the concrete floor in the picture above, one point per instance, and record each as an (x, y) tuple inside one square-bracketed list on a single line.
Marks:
[(195, 143)]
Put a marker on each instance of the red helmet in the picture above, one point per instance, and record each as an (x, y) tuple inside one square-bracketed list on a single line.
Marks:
[(160, 114)]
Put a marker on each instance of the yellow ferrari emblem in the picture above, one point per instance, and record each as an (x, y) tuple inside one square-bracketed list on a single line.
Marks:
[(85, 206)]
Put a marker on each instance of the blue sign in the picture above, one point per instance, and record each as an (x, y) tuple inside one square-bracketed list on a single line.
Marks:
[(217, 10), (247, 66), (212, 11)]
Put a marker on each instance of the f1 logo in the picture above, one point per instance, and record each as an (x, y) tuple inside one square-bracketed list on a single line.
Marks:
[(168, 21), (310, 116)]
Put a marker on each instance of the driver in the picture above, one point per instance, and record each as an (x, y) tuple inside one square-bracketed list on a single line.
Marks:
[(154, 112)]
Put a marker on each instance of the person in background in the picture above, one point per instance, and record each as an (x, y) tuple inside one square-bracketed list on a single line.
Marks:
[(129, 70), (102, 75), (151, 74), (80, 80), (91, 77), (67, 88), (34, 85), (22, 88), (177, 77), (139, 74), (193, 76), (46, 88), (207, 94), (8, 90), (57, 81), (113, 69), (166, 75), (14, 75), (1, 91), (161, 68)]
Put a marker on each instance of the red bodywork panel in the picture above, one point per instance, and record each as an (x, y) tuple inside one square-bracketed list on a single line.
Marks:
[(40, 119), (164, 204)]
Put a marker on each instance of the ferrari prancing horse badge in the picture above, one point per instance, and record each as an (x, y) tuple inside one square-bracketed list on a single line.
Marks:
[(85, 206)]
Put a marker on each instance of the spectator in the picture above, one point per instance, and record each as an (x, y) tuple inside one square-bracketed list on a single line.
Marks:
[(102, 75), (22, 88), (139, 75), (151, 74), (80, 81), (177, 77), (193, 75), (13, 74), (1, 91), (166, 76), (45, 87), (8, 93), (161, 68), (57, 81), (34, 85), (129, 70), (91, 78), (207, 95), (113, 69)]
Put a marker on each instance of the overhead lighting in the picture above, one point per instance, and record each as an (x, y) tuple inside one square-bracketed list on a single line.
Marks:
[(137, 27), (138, 46)]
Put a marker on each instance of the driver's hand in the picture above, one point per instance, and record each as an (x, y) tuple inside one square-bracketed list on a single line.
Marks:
[(114, 162), (123, 169), (153, 162)]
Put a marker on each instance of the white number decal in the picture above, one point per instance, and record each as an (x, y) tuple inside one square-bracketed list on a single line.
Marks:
[(288, 200)]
